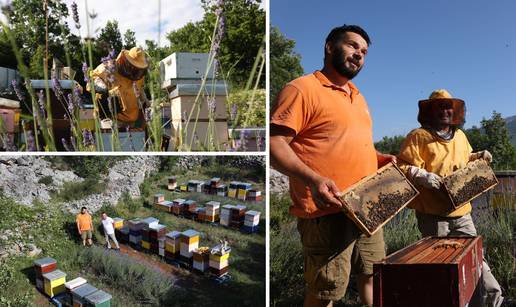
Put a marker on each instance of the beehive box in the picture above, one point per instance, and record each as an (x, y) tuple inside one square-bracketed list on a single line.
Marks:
[(201, 258), (156, 232), (468, 183), (44, 265), (254, 195), (189, 241), (233, 189), (118, 222), (99, 299), (75, 283), (183, 187), (158, 198), (164, 206), (172, 183), (54, 282), (374, 200), (219, 259), (222, 190), (79, 293), (431, 272), (172, 242), (177, 206), (150, 222)]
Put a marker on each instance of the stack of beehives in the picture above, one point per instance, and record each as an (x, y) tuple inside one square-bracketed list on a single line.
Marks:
[(189, 241), (237, 215), (99, 299), (183, 187), (201, 258), (195, 186), (222, 190), (233, 189), (177, 206), (157, 233), (243, 189), (118, 222), (145, 233), (189, 208), (212, 211), (172, 183), (251, 221), (225, 215), (48, 278), (254, 195), (172, 246), (219, 259), (80, 293), (135, 232)]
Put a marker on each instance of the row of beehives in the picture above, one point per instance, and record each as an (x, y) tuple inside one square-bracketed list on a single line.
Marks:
[(234, 216), (235, 189), (78, 291), (180, 247)]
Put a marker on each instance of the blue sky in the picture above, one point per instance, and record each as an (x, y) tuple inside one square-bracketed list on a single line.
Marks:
[(466, 47)]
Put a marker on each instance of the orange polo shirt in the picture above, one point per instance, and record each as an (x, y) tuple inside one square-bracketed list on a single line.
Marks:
[(84, 221), (334, 136)]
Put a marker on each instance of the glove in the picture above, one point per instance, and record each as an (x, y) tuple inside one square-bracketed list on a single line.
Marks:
[(423, 178), (484, 154)]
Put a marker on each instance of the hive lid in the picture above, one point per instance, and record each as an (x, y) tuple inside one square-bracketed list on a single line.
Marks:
[(56, 274), (190, 233), (228, 206), (44, 261), (189, 202), (159, 195), (179, 200), (252, 213), (157, 227), (173, 234), (150, 220), (84, 290), (118, 219), (98, 297), (74, 283), (167, 203), (213, 203), (240, 207)]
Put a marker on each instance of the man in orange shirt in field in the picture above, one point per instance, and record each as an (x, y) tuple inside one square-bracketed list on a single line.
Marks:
[(321, 137), (84, 226)]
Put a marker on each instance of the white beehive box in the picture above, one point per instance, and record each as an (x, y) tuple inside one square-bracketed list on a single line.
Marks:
[(183, 65)]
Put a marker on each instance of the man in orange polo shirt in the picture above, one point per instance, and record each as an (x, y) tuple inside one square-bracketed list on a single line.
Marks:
[(84, 226), (321, 137)]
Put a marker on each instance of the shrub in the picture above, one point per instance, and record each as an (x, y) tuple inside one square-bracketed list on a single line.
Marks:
[(47, 180), (80, 189)]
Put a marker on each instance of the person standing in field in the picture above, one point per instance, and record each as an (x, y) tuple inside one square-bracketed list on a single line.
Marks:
[(85, 226), (109, 230), (322, 139)]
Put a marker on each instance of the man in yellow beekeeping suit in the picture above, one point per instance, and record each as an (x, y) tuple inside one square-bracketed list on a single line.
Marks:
[(435, 150), (122, 81)]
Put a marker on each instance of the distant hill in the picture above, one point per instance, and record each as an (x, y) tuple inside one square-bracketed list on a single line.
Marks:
[(511, 125)]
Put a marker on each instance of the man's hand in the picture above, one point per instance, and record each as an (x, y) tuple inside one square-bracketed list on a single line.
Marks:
[(425, 179), (325, 193), (484, 154), (383, 159)]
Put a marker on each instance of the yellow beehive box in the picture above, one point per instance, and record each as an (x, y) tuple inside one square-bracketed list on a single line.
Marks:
[(242, 194), (118, 222), (54, 282), (146, 244), (232, 193), (219, 258)]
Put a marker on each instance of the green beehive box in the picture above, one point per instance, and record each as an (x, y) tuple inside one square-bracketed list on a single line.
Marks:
[(99, 299)]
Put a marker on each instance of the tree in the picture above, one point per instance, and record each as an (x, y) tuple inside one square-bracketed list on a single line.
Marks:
[(109, 38), (245, 30), (27, 23), (285, 63), (498, 141), (129, 39), (390, 144)]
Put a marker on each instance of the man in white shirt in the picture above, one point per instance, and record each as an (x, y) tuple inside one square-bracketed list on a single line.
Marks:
[(109, 230)]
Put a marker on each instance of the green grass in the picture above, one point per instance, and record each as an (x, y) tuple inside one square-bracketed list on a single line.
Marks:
[(80, 189), (497, 227), (131, 284)]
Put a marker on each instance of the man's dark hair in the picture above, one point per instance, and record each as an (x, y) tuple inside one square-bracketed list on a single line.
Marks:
[(84, 208), (336, 33)]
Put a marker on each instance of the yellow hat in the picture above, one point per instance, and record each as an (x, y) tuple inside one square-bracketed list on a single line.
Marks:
[(135, 56), (440, 94), (426, 113)]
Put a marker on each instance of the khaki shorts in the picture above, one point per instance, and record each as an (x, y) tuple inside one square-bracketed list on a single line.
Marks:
[(86, 234), (333, 247)]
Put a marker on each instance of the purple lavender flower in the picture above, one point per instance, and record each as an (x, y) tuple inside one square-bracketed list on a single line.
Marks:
[(72, 141), (243, 140), (30, 142), (41, 103), (58, 90), (85, 72), (87, 138), (70, 105), (18, 91), (65, 144), (212, 104), (233, 113), (148, 114), (75, 14), (221, 31), (109, 64), (259, 142)]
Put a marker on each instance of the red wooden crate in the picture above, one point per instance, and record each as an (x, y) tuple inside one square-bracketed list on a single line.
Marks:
[(431, 272)]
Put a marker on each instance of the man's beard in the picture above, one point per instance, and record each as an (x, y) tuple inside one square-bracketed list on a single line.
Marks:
[(339, 63)]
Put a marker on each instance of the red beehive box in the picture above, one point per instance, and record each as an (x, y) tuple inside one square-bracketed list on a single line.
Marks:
[(431, 272)]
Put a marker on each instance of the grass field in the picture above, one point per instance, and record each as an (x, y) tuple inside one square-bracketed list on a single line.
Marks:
[(134, 278)]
